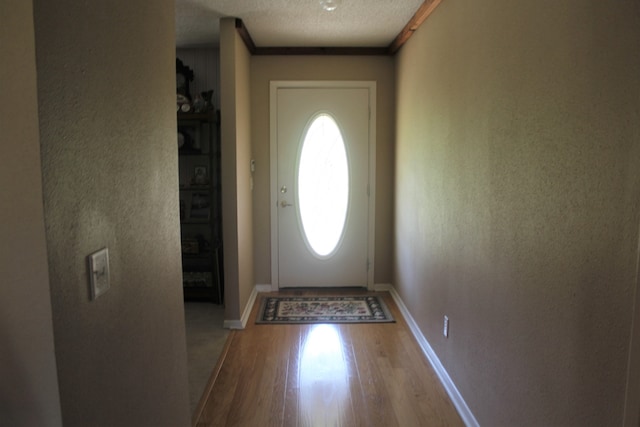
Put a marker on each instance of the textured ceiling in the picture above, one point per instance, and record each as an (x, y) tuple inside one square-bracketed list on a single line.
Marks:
[(297, 23)]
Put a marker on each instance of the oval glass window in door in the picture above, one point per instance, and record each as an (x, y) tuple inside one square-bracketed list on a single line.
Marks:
[(323, 185)]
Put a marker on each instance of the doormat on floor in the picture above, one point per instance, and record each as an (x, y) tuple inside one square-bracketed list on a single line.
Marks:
[(325, 309)]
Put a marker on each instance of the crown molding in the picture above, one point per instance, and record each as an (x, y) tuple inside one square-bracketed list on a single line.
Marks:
[(424, 11)]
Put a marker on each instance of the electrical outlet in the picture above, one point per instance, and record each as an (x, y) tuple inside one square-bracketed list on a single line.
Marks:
[(445, 331), (99, 273)]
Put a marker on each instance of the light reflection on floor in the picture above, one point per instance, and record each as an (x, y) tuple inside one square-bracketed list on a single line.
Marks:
[(323, 377)]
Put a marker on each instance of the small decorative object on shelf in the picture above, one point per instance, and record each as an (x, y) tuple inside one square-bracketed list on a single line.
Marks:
[(199, 104), (200, 208), (208, 99), (187, 142), (184, 75), (190, 246), (204, 246)]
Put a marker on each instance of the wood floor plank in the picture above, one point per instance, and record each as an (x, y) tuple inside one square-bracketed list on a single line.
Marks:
[(376, 405), (217, 405), (325, 397), (292, 390), (316, 375), (274, 385)]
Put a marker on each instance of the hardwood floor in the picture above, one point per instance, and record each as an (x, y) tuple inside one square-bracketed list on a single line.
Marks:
[(325, 375)]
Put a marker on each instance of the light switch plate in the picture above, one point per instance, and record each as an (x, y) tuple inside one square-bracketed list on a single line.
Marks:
[(99, 273), (445, 331)]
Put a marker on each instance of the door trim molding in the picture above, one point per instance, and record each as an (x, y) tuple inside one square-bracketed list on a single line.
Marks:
[(274, 85)]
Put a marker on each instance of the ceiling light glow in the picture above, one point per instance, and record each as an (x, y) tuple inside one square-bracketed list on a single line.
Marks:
[(330, 5)]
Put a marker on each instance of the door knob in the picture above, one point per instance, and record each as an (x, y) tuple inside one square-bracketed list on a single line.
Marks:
[(284, 204)]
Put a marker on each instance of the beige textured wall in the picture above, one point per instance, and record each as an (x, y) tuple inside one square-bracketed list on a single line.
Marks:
[(237, 208), (29, 386), (246, 280), (376, 68), (107, 131), (517, 202)]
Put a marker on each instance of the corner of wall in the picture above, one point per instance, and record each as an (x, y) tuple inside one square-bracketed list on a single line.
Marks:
[(29, 386), (236, 177), (242, 322)]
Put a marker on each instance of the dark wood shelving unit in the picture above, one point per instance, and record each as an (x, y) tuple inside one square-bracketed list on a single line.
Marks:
[(200, 206)]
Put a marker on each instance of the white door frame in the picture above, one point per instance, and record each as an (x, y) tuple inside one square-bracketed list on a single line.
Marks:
[(320, 84)]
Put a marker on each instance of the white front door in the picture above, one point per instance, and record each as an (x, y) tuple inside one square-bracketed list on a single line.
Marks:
[(320, 183)]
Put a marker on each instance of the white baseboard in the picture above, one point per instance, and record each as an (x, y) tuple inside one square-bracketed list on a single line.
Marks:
[(232, 324), (450, 387), (240, 324), (382, 287), (261, 287)]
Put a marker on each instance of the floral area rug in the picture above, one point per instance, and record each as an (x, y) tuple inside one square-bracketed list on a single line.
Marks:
[(337, 309)]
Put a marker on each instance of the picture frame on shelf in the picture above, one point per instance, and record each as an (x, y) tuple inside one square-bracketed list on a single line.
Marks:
[(200, 176), (190, 246), (200, 207), (195, 279)]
